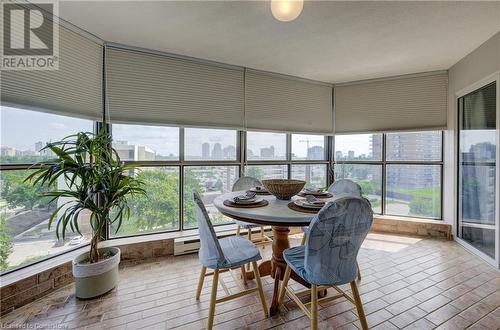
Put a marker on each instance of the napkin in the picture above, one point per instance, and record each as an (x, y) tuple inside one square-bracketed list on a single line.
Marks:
[(313, 200), (249, 195)]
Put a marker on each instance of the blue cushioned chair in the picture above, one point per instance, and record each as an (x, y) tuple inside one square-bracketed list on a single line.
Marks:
[(328, 258), (223, 255), (340, 187), (245, 183)]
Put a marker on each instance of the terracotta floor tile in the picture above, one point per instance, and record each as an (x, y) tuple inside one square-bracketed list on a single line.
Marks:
[(423, 284)]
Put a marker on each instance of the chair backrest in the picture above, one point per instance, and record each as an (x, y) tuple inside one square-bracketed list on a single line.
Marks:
[(345, 186), (210, 248), (245, 183), (335, 236)]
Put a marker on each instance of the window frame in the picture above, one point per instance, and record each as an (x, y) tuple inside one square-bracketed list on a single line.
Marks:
[(384, 162), (288, 162), (241, 162)]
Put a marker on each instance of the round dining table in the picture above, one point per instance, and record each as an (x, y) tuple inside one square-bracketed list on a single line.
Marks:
[(280, 217)]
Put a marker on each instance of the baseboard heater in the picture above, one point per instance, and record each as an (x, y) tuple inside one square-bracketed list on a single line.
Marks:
[(191, 244)]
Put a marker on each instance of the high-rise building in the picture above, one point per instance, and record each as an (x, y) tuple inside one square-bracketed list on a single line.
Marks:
[(316, 152), (267, 152), (229, 152), (217, 151), (205, 150)]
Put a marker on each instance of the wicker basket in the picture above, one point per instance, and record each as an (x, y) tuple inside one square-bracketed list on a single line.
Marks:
[(283, 189)]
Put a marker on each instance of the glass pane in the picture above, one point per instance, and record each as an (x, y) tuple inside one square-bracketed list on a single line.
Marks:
[(313, 174), (266, 146), (139, 142), (210, 182), (358, 147), (416, 146), (158, 210), (262, 172), (209, 144), (24, 133), (24, 216), (308, 147), (477, 169), (414, 190), (369, 177)]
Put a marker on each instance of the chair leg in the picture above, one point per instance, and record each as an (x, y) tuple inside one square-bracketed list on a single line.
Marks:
[(314, 307), (238, 230), (359, 271), (249, 234), (304, 237), (262, 236), (359, 305), (200, 282), (261, 290), (243, 274), (286, 278), (213, 298)]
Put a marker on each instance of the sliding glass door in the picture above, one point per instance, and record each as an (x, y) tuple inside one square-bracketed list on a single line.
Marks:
[(477, 170)]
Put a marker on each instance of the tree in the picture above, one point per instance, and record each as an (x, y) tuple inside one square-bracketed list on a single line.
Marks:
[(5, 248), (160, 205), (19, 193), (255, 172)]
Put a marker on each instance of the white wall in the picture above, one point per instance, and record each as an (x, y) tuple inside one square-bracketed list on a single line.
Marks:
[(479, 64)]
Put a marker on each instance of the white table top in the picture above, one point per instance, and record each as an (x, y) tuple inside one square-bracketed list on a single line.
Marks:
[(276, 213)]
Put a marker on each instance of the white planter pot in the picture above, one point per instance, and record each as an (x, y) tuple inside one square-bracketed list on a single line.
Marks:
[(93, 280)]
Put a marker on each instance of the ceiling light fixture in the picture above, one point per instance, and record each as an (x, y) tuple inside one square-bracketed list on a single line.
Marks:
[(286, 10)]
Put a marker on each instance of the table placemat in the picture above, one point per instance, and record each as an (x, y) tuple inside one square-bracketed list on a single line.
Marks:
[(230, 203), (295, 207)]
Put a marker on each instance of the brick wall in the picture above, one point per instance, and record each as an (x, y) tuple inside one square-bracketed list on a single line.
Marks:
[(33, 287)]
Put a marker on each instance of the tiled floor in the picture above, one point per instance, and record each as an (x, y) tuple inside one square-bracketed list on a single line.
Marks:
[(408, 283)]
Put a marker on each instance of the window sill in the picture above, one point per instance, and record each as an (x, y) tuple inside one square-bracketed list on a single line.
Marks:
[(126, 243), (412, 226)]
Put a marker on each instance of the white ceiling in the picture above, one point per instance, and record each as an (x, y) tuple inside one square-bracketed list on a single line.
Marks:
[(331, 41)]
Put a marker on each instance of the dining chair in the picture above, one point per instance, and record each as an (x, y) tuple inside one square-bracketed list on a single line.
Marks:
[(245, 183), (221, 256), (328, 259), (340, 187)]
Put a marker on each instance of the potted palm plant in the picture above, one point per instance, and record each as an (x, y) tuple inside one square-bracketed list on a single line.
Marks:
[(89, 179)]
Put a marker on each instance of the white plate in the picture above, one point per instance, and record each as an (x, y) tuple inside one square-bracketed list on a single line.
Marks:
[(303, 203), (321, 193), (249, 201)]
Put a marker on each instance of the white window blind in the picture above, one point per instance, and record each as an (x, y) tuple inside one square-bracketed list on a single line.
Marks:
[(400, 103), (158, 89), (281, 103), (75, 89)]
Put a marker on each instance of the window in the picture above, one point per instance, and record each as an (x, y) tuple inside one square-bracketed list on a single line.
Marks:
[(210, 144), (24, 133), (210, 182), (262, 172), (368, 176), (414, 190), (308, 147), (419, 146), (158, 210), (412, 167), (477, 169), (359, 147), (313, 174), (139, 142), (266, 146), (24, 214)]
